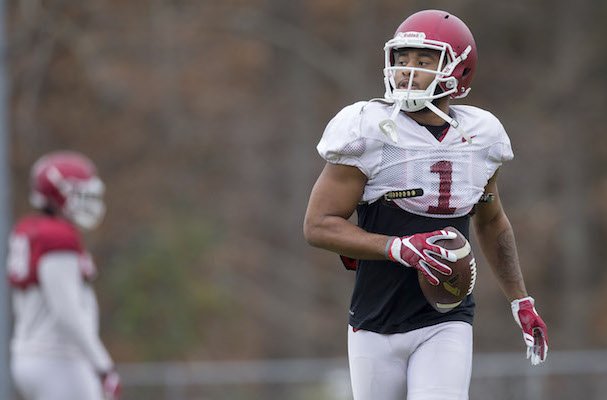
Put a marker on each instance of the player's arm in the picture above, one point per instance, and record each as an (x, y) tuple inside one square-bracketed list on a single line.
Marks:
[(495, 235), (496, 238), (60, 281), (332, 202)]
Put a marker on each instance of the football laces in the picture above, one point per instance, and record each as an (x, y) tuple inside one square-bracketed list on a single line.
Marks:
[(472, 275)]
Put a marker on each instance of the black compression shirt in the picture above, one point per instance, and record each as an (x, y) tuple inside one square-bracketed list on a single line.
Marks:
[(387, 297)]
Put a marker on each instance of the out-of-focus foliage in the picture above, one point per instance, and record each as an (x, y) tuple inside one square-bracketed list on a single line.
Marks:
[(166, 294), (203, 117)]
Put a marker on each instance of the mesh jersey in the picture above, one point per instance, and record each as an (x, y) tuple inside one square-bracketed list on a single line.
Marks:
[(448, 176)]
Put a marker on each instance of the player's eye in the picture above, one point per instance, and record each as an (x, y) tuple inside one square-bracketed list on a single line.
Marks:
[(425, 62)]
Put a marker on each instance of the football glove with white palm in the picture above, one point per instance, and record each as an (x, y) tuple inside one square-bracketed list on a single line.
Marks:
[(535, 333), (420, 252)]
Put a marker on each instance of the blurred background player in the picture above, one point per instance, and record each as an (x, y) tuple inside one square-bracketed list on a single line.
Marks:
[(411, 164), (56, 352)]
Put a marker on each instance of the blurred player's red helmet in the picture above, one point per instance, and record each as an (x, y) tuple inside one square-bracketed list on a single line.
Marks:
[(67, 181), (435, 30)]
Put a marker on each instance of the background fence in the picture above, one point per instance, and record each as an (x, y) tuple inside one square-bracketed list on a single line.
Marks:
[(496, 376)]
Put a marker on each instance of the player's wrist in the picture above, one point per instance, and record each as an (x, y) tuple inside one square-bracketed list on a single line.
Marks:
[(517, 301), (106, 373), (392, 248)]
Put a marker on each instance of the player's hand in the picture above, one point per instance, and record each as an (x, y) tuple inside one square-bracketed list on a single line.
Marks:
[(420, 252), (534, 329), (111, 385)]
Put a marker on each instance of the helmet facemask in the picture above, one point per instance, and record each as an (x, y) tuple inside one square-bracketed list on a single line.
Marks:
[(443, 85), (412, 100), (84, 203)]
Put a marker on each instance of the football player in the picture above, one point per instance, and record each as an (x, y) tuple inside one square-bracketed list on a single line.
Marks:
[(412, 164), (56, 352)]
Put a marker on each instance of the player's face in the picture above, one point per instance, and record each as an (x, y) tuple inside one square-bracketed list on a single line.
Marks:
[(84, 204), (421, 59)]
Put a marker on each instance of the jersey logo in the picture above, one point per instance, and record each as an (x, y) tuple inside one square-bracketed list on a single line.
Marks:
[(471, 137)]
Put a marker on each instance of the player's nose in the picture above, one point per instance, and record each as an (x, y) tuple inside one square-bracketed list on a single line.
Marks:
[(405, 72)]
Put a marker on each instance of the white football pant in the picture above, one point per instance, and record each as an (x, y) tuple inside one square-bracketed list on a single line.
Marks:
[(47, 378), (432, 363)]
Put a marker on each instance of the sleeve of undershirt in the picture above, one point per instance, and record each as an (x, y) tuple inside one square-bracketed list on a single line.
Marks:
[(60, 279)]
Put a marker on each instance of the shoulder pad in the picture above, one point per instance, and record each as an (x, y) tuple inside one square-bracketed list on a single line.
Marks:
[(50, 234), (31, 238)]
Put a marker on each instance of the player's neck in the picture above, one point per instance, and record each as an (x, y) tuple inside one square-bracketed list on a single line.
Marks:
[(426, 117)]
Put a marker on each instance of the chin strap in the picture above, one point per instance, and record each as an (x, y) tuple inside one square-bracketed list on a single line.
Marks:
[(388, 126), (450, 121)]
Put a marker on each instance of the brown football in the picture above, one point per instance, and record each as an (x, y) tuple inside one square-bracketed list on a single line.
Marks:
[(454, 288)]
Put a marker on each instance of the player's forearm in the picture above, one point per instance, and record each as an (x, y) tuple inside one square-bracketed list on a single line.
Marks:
[(89, 342), (341, 236), (499, 247)]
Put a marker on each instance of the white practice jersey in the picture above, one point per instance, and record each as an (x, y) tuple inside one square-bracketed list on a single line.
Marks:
[(59, 317), (55, 307), (443, 178)]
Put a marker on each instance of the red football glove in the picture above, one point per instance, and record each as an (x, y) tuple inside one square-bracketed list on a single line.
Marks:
[(534, 329), (110, 382), (419, 251)]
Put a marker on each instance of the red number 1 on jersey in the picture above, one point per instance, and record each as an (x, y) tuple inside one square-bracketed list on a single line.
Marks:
[(444, 170)]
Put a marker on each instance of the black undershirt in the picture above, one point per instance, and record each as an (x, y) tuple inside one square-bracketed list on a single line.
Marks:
[(387, 297), (436, 131)]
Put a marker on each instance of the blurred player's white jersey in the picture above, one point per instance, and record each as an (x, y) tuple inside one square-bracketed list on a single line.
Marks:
[(55, 307), (57, 356), (56, 352), (38, 331), (432, 177)]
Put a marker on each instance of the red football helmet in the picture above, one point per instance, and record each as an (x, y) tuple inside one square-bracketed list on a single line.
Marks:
[(435, 30), (67, 181)]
